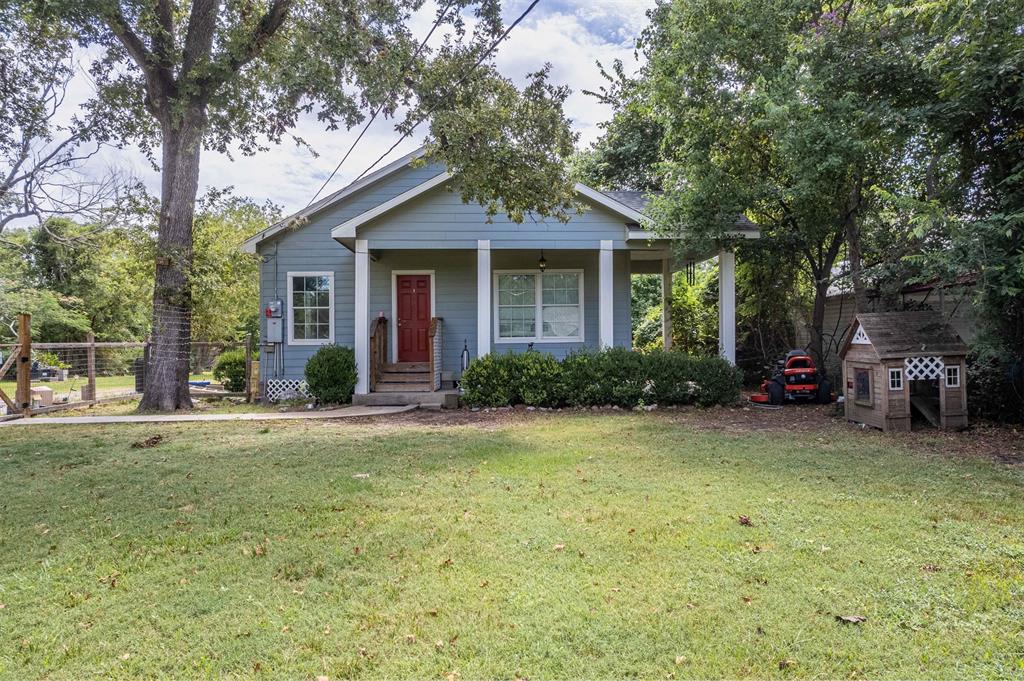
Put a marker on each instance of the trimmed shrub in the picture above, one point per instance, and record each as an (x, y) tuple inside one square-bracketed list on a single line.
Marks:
[(331, 374), (538, 379), (229, 369), (487, 382), (716, 381), (616, 376)]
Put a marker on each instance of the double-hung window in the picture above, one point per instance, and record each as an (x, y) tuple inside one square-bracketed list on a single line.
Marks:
[(311, 308), (539, 306)]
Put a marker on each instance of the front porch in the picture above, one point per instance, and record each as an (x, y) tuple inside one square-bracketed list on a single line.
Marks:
[(420, 315)]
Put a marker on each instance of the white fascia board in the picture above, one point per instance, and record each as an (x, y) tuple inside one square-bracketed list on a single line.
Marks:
[(647, 235), (347, 229), (610, 203), (250, 244)]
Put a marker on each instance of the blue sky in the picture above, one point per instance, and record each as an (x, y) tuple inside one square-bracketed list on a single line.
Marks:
[(570, 34)]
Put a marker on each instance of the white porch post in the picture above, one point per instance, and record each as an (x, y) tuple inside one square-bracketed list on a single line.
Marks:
[(361, 341), (666, 302), (606, 294), (727, 304), (483, 297)]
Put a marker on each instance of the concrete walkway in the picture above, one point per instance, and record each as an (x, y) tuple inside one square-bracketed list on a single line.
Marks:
[(343, 413)]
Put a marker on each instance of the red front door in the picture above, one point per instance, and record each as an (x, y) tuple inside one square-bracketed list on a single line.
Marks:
[(413, 316)]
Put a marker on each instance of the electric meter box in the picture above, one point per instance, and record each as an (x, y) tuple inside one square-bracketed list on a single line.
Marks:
[(273, 330), (273, 309)]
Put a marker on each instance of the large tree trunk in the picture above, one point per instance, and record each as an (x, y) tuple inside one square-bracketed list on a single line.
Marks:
[(855, 251), (817, 347), (168, 368)]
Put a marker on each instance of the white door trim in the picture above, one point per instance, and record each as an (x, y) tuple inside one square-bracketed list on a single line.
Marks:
[(393, 340)]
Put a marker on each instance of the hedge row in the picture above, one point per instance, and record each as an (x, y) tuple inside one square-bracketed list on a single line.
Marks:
[(615, 376)]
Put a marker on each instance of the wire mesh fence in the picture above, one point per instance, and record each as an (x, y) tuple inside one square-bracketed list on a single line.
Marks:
[(67, 374)]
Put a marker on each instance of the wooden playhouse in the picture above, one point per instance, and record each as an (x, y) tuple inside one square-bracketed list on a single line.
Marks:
[(896, 364)]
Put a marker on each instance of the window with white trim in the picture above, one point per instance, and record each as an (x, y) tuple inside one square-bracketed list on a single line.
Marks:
[(539, 306), (953, 376), (311, 308), (896, 379)]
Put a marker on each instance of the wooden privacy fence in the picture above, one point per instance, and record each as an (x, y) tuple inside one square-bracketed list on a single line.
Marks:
[(37, 377)]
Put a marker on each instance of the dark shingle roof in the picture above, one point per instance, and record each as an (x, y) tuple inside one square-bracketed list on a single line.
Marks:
[(639, 201), (902, 334)]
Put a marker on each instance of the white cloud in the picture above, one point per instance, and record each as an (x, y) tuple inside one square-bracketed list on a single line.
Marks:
[(570, 34)]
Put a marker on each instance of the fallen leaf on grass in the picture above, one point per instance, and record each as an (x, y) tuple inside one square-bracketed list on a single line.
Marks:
[(323, 678), (361, 476), (748, 600), (745, 520), (786, 664), (410, 638), (151, 441), (558, 547), (680, 659), (851, 619)]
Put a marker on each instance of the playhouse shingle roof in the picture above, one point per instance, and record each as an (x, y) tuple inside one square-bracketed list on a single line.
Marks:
[(903, 334)]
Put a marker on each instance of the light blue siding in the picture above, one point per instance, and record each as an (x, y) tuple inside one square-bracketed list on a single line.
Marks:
[(438, 232), (439, 219)]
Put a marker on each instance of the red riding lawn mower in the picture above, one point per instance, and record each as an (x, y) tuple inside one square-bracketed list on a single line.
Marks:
[(795, 379)]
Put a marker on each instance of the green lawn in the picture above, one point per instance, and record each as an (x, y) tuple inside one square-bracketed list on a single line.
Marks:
[(105, 385), (548, 546)]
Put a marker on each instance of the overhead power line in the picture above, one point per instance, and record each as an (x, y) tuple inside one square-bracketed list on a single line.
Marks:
[(390, 97), (457, 83)]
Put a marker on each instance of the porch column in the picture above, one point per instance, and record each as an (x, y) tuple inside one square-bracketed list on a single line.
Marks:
[(727, 304), (483, 297), (361, 340), (666, 302), (605, 296)]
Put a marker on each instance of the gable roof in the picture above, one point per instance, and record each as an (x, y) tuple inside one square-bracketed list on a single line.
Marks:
[(895, 335), (250, 244)]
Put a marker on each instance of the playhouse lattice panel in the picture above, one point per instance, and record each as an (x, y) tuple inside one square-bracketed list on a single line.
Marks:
[(923, 367), (278, 388), (860, 338)]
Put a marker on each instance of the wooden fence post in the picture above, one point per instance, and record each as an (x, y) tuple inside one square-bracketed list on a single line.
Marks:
[(248, 368), (23, 391), (89, 393)]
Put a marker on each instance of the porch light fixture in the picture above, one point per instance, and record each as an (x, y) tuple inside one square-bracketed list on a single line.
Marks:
[(542, 263)]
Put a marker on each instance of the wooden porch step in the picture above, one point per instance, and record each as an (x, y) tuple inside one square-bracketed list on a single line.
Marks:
[(400, 387), (405, 367), (409, 377)]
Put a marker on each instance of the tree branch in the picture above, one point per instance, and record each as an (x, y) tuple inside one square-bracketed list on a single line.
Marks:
[(236, 57)]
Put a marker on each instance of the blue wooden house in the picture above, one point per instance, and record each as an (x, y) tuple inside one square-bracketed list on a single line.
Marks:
[(397, 267)]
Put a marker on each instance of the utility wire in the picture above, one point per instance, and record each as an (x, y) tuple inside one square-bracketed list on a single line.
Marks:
[(457, 83), (380, 107)]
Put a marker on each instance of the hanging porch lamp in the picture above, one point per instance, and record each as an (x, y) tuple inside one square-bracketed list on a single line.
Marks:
[(542, 263)]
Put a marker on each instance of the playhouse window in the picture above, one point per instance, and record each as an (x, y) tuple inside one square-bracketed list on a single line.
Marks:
[(953, 377), (895, 379), (862, 386)]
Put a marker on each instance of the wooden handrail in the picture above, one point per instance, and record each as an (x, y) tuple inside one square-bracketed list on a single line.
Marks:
[(435, 347), (378, 349)]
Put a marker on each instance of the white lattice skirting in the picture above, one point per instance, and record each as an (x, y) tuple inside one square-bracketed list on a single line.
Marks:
[(923, 367), (285, 389)]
